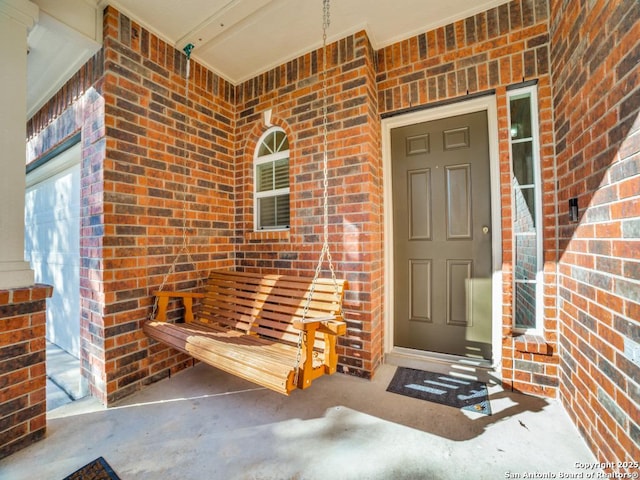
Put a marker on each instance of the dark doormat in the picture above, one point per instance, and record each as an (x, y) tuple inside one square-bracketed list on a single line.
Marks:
[(445, 389), (99, 469)]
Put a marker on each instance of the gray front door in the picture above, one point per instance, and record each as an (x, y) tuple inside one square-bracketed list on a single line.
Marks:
[(442, 236)]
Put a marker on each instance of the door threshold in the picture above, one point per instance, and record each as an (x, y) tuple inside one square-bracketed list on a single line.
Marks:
[(465, 367)]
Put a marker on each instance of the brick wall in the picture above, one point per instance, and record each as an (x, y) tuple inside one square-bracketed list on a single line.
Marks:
[(92, 298), (493, 49), (488, 52), (294, 94), (23, 381), (168, 170), (151, 163), (595, 59)]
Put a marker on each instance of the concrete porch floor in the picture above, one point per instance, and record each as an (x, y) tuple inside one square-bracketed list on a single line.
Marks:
[(205, 424), (64, 381)]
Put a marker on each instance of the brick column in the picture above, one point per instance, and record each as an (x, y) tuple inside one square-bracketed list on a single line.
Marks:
[(23, 396)]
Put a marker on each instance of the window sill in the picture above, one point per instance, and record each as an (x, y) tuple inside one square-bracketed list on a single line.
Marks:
[(532, 344), (268, 235)]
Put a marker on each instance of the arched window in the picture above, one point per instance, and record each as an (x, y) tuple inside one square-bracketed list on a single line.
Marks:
[(271, 186)]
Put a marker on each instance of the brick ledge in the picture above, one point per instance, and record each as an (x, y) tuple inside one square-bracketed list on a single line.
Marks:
[(268, 235), (532, 344), (33, 293)]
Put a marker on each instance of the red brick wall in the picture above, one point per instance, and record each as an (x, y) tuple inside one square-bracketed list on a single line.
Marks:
[(23, 380), (595, 59), (503, 46), (92, 299), (493, 49), (168, 162), (149, 162), (294, 93)]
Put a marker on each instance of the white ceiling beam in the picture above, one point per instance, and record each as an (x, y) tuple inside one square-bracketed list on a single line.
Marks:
[(22, 11), (67, 34), (224, 19), (81, 16)]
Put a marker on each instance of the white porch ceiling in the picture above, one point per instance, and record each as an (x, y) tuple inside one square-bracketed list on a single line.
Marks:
[(237, 39)]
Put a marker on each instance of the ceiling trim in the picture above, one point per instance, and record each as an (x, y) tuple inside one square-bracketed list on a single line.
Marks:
[(427, 27), (21, 11), (223, 20), (312, 48), (47, 77), (235, 12), (102, 4), (174, 43)]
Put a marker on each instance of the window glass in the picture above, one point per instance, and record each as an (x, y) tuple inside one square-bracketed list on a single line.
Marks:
[(281, 173), (522, 155), (264, 178), (275, 141), (526, 256), (274, 211), (524, 215), (525, 305), (520, 117), (280, 141), (267, 212)]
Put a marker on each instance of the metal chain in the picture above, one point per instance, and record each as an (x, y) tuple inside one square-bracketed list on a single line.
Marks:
[(325, 253), (184, 249)]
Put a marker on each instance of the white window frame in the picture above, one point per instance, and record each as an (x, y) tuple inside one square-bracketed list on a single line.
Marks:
[(532, 92), (257, 161)]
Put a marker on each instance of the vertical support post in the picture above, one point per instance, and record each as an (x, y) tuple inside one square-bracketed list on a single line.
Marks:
[(16, 19), (306, 375), (330, 355), (163, 304), (188, 309)]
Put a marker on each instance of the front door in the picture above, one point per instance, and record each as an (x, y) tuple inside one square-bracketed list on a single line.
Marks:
[(442, 236)]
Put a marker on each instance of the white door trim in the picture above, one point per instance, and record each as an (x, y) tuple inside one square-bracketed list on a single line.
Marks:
[(485, 103)]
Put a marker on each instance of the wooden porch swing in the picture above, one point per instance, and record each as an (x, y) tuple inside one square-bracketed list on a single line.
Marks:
[(273, 330)]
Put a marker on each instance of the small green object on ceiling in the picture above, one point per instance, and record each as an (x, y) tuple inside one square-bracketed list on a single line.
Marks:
[(187, 49)]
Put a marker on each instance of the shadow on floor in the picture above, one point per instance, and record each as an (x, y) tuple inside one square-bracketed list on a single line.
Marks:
[(203, 423)]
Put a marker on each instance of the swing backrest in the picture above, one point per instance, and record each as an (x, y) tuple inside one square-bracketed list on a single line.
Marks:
[(266, 305)]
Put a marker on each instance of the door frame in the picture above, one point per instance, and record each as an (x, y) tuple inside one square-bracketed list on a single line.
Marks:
[(417, 358)]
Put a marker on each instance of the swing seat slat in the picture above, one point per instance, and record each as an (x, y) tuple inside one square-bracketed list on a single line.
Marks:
[(248, 324)]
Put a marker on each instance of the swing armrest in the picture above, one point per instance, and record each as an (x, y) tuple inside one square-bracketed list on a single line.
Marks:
[(328, 324), (187, 300), (330, 327)]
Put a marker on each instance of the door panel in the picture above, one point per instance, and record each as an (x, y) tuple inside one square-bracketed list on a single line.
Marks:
[(419, 204), (459, 274), (458, 205), (442, 239), (420, 290)]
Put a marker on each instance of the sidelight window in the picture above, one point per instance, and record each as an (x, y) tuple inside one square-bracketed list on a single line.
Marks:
[(527, 209)]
